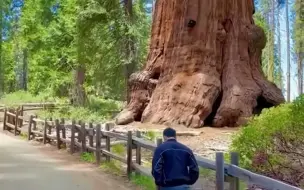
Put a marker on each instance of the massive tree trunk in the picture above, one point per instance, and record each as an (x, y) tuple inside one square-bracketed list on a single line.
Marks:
[(204, 66)]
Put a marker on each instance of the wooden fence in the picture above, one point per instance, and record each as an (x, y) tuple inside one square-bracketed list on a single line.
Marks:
[(32, 106), (2, 107), (13, 120), (88, 139)]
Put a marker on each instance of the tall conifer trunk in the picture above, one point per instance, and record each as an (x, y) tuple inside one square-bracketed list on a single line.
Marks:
[(288, 50), (300, 73), (1, 64), (203, 67)]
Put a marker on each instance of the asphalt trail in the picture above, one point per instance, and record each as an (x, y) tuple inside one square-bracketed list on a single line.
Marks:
[(28, 167)]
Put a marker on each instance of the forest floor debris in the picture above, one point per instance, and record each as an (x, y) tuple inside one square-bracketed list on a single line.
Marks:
[(205, 141)]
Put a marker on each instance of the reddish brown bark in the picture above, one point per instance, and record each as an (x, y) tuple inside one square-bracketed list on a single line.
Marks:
[(206, 74)]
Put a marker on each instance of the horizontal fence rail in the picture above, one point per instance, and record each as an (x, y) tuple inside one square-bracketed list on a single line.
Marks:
[(34, 106), (98, 139)]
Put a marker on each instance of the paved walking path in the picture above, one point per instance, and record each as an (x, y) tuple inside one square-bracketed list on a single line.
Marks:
[(28, 167)]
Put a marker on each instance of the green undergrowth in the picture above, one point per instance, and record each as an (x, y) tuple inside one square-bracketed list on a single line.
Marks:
[(115, 166), (206, 173), (119, 149), (88, 157), (23, 135), (271, 143), (146, 183), (152, 135), (19, 97), (96, 110)]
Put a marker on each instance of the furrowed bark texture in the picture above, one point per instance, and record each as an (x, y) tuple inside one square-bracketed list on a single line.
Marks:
[(207, 74)]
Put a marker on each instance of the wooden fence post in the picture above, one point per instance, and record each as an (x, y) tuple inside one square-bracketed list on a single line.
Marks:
[(35, 123), (138, 149), (91, 136), (159, 141), (45, 131), (22, 110), (29, 130), (98, 138), (83, 138), (4, 119), (234, 184), (62, 126), (16, 122), (73, 129), (50, 127), (129, 154), (57, 125), (79, 132), (108, 143), (220, 171)]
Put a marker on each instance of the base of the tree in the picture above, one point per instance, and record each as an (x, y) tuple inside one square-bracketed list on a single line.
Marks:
[(219, 108), (207, 74)]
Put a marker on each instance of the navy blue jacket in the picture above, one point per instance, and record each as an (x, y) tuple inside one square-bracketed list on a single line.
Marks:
[(174, 164)]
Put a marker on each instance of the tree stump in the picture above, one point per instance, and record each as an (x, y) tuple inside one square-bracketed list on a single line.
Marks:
[(203, 67)]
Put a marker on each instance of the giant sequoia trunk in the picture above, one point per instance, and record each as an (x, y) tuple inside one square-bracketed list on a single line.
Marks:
[(203, 66)]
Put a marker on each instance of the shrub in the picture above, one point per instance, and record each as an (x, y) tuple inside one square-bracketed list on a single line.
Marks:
[(273, 143), (97, 110), (88, 157)]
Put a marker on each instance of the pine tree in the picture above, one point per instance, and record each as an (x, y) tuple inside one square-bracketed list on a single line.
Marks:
[(298, 37)]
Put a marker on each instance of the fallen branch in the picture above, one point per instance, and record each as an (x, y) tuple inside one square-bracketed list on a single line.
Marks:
[(178, 133)]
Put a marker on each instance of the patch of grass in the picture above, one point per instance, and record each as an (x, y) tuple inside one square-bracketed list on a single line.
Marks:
[(112, 167), (206, 173), (118, 149), (243, 185), (147, 164), (152, 135), (19, 97), (146, 183), (97, 110), (24, 136), (88, 157)]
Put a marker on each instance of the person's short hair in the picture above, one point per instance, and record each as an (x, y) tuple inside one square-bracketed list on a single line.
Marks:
[(169, 132)]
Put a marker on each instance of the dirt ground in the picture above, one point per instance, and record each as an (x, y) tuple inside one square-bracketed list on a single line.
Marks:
[(209, 141)]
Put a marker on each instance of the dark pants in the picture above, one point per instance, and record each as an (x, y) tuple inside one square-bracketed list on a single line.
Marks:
[(182, 187)]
